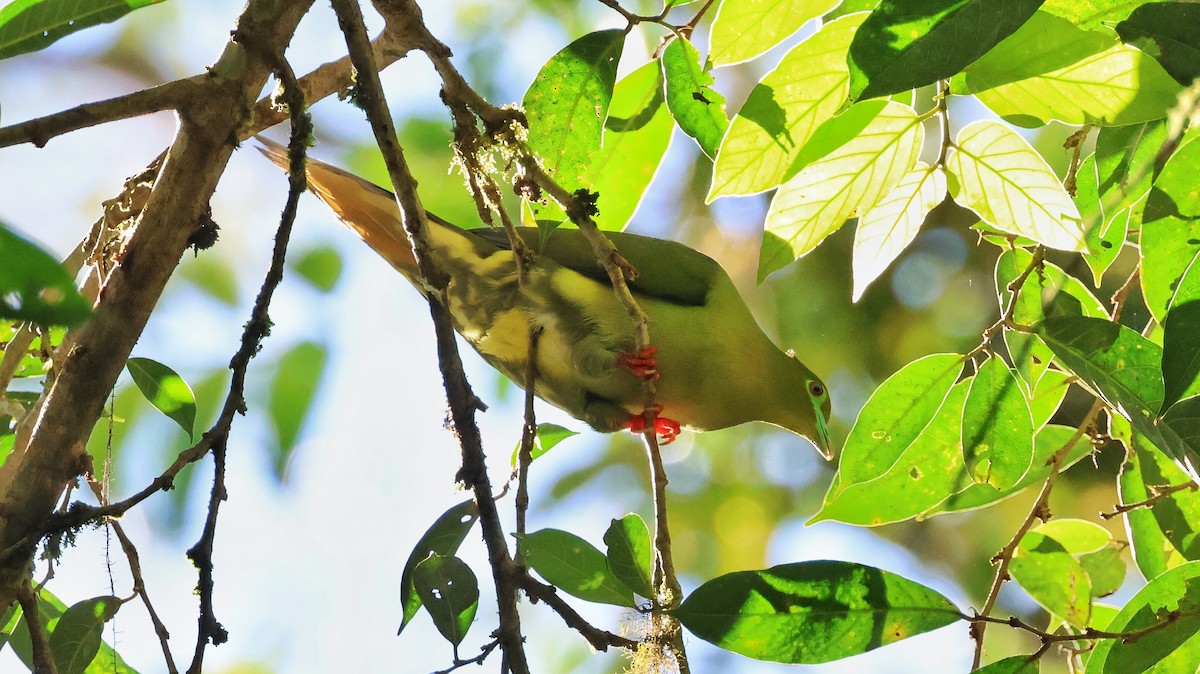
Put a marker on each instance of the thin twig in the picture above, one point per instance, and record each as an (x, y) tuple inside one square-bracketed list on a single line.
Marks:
[(599, 639), (1157, 493), (43, 660)]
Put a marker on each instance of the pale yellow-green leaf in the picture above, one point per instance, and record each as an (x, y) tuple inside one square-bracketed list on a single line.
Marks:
[(1119, 86), (745, 29), (848, 180), (782, 112), (993, 171), (887, 229)]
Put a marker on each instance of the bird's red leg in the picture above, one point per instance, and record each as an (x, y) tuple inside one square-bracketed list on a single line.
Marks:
[(642, 363), (667, 429)]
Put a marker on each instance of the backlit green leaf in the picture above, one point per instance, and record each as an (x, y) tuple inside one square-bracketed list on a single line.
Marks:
[(745, 29), (994, 172), (636, 137), (630, 553), (34, 286), (1173, 596), (997, 428), (894, 416), (783, 113), (547, 436), (1152, 552), (1053, 578), (76, 638), (1181, 352), (812, 612), (320, 266), (1052, 70), (1078, 537), (450, 592), (293, 388), (567, 105), (442, 538), (30, 25), (1170, 241), (856, 159), (166, 390), (574, 566), (698, 109), (906, 44), (887, 229)]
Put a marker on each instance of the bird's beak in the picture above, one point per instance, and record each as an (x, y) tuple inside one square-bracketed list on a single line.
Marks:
[(822, 442)]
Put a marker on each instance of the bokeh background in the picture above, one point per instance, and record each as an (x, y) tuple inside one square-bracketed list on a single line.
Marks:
[(326, 501)]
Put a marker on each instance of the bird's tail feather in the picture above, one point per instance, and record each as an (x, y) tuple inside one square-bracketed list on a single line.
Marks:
[(364, 207)]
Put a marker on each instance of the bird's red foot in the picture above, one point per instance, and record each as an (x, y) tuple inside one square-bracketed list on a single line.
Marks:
[(666, 429), (642, 363)]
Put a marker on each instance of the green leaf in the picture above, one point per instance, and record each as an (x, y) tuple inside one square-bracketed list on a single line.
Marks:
[(34, 286), (997, 427), (1078, 537), (76, 638), (746, 29), (1174, 648), (293, 389), (1053, 577), (783, 112), (927, 472), (1170, 32), (851, 163), (1179, 430), (887, 229), (1098, 15), (1125, 163), (1052, 70), (50, 609), (1152, 552), (636, 137), (1047, 396), (166, 390), (812, 612), (1048, 442), (1181, 352), (30, 25), (213, 275), (1177, 515), (442, 538), (994, 172), (698, 109), (906, 44), (893, 417), (1017, 664), (574, 566), (1107, 570), (1170, 241), (568, 103), (631, 554), (450, 592), (1117, 363), (547, 436), (320, 266)]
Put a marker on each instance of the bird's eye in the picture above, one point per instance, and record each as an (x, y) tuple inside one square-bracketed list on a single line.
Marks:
[(815, 389)]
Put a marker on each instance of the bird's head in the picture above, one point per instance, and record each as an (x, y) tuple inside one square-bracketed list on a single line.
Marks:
[(813, 417)]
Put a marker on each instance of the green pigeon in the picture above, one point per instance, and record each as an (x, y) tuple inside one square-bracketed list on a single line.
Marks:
[(713, 364)]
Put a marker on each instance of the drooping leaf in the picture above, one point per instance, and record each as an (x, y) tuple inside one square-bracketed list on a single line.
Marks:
[(927, 472), (76, 638), (1181, 352), (574, 566), (698, 109), (30, 25), (1052, 70), (1170, 241), (812, 612), (567, 105), (905, 44), (636, 137), (997, 427), (630, 553), (783, 112), (34, 286), (166, 390), (1170, 32), (1053, 577), (994, 172), (450, 592), (294, 386), (851, 163), (1117, 363), (745, 29), (1174, 596), (442, 538), (547, 436), (888, 228)]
